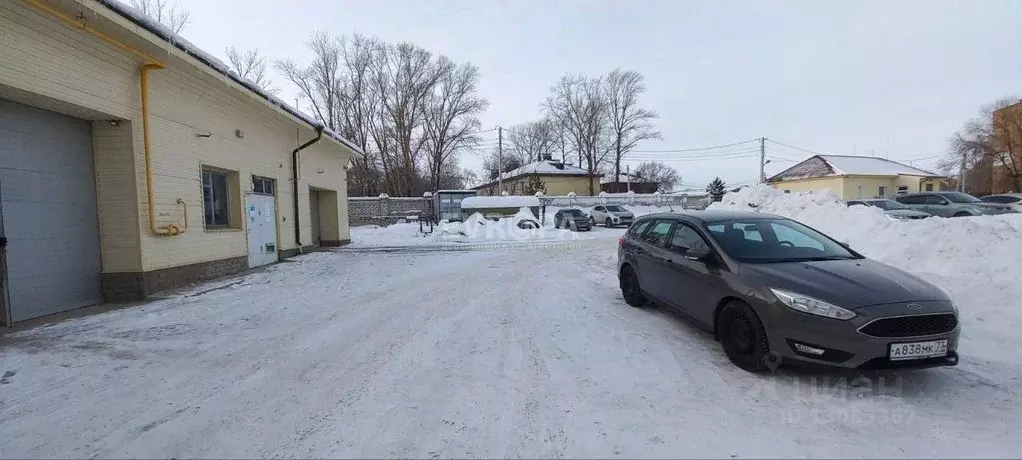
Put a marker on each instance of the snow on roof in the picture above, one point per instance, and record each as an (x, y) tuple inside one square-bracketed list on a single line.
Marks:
[(847, 165), (479, 202), (545, 168), (163, 32)]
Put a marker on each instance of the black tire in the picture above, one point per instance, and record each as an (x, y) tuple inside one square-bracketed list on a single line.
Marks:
[(963, 214), (608, 223), (743, 337), (629, 283), (592, 222)]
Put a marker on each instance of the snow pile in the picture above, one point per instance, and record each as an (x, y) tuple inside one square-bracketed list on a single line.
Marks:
[(477, 227), (973, 258), (401, 234)]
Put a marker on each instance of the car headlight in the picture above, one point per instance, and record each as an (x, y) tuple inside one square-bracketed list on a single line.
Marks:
[(806, 304)]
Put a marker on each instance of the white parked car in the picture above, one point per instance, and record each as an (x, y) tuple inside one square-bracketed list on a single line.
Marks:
[(611, 215)]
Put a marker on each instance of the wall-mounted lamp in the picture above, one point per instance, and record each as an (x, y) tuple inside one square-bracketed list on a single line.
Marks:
[(207, 134), (320, 170), (115, 123)]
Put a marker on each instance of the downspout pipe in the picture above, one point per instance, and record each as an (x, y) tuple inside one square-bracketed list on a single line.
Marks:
[(294, 184)]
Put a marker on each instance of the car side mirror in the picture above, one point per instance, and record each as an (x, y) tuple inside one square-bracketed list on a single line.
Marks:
[(700, 255)]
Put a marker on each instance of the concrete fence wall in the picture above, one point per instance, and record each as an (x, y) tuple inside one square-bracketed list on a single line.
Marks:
[(370, 210), (366, 210)]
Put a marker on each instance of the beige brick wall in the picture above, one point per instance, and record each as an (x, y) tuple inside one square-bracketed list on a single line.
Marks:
[(193, 123)]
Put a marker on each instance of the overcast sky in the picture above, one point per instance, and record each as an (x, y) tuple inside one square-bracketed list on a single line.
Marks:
[(884, 78)]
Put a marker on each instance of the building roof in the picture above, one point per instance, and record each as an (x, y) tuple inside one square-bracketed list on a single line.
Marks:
[(847, 165), (164, 33), (540, 168), (622, 178)]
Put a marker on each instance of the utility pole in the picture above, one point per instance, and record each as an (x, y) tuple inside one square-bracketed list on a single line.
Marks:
[(762, 159), (500, 161), (628, 177), (961, 175)]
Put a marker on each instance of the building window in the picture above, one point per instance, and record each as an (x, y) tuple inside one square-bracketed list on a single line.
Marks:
[(787, 191), (929, 187), (263, 185), (216, 203), (902, 189), (882, 192)]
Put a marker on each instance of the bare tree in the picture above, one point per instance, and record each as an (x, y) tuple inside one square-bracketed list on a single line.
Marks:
[(509, 160), (251, 66), (665, 176), (405, 78), (450, 121), (160, 11), (578, 104), (629, 123), (319, 82), (535, 140), (357, 104), (992, 139)]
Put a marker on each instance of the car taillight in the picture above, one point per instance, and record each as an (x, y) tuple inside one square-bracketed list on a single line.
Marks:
[(621, 241)]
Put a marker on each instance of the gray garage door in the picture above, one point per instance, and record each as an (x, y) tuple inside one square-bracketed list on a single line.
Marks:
[(48, 210)]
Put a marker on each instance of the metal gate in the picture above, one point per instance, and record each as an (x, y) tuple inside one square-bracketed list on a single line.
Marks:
[(262, 229), (48, 207)]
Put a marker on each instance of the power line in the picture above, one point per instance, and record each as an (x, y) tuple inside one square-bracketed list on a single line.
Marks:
[(696, 149), (793, 147)]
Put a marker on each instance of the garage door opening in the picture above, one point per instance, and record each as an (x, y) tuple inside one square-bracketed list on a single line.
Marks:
[(51, 262), (323, 212)]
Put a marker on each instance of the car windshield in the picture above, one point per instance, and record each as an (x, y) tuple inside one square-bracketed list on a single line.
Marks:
[(775, 241), (887, 205), (959, 197), (615, 209)]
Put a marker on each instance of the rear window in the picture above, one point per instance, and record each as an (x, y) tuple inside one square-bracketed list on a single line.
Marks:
[(615, 209), (959, 197), (573, 212), (639, 227), (911, 199), (657, 235)]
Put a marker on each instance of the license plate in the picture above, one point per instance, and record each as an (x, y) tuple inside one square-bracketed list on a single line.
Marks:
[(918, 350)]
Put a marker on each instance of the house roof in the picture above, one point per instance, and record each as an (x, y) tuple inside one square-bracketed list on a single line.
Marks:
[(847, 165), (541, 168), (623, 177), (164, 33)]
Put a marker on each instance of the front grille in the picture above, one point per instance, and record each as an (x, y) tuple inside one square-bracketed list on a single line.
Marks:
[(911, 326)]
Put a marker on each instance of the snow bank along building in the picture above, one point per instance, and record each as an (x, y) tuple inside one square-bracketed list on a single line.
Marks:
[(854, 177), (132, 162)]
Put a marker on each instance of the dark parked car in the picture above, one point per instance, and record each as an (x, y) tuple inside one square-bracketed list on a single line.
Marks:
[(1011, 199), (891, 208), (572, 219), (951, 204), (771, 290)]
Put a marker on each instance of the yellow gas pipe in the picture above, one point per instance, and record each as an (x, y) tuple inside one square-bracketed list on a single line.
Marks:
[(151, 63)]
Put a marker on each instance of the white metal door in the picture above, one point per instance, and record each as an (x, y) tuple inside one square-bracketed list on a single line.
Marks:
[(262, 229)]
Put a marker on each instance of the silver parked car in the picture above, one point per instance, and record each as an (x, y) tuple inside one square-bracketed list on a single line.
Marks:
[(951, 204), (891, 208), (611, 215)]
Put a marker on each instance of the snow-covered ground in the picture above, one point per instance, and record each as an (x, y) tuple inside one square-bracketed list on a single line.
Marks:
[(497, 350)]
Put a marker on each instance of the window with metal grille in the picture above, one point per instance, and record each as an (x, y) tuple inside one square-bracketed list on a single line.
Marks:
[(215, 198), (263, 185)]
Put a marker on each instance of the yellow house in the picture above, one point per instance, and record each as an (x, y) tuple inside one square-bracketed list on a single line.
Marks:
[(556, 178), (854, 177), (132, 162)]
